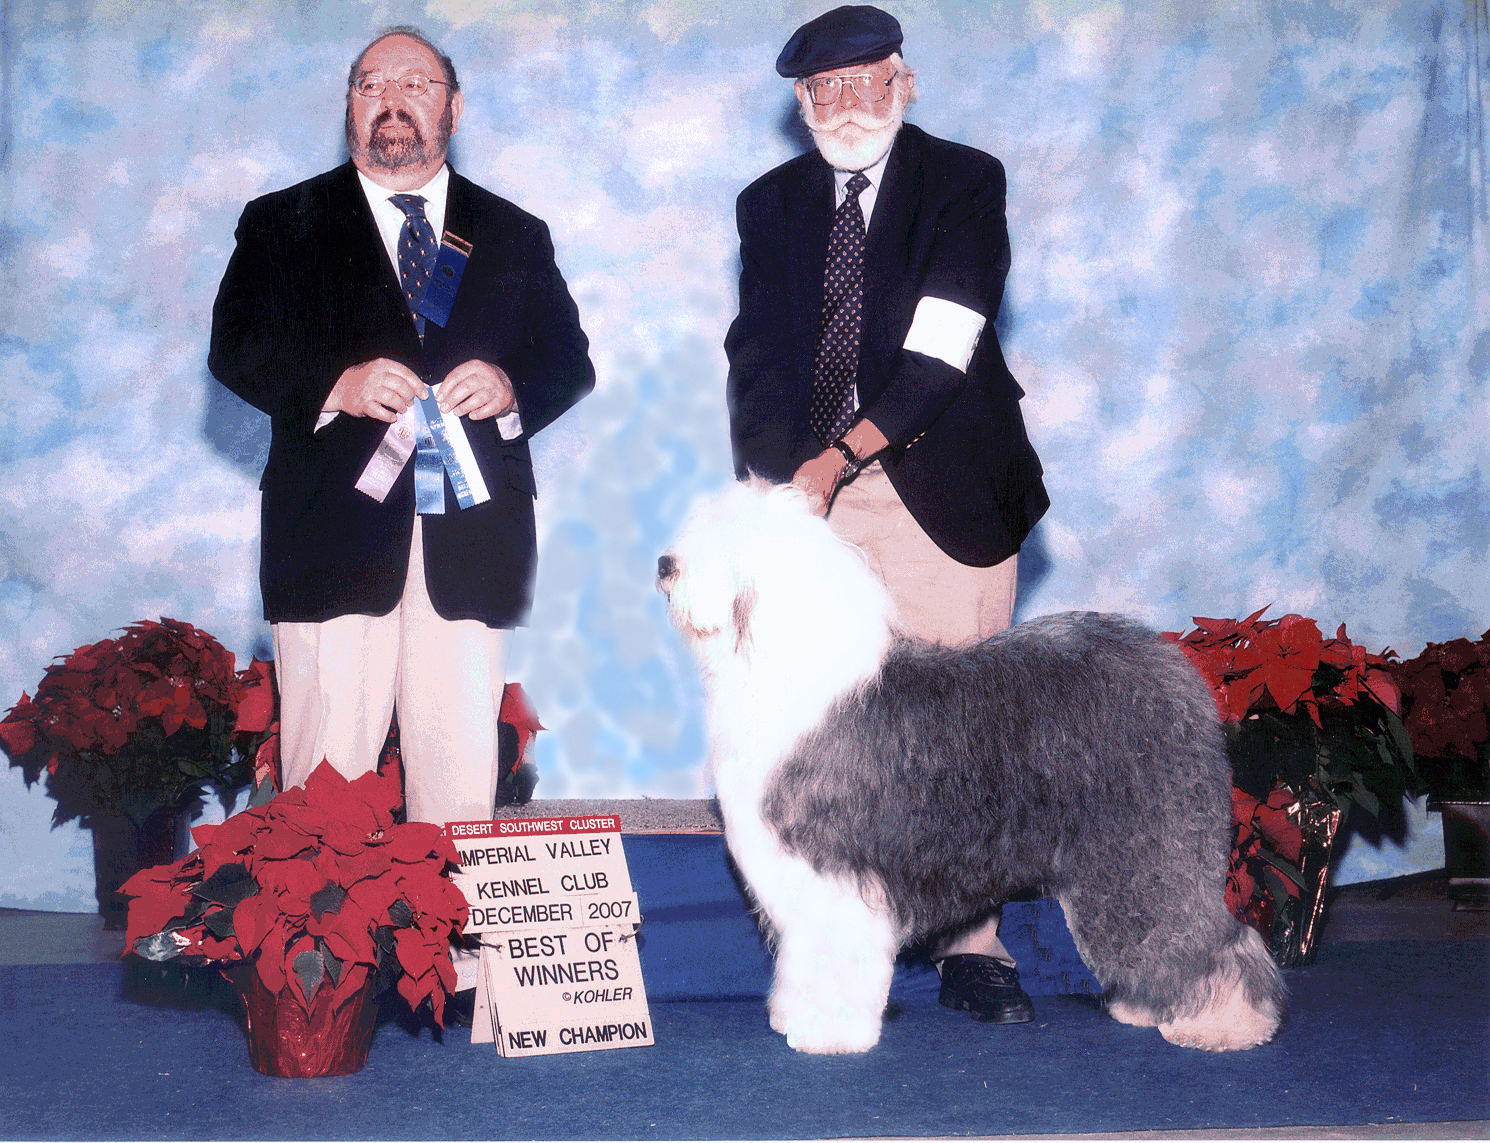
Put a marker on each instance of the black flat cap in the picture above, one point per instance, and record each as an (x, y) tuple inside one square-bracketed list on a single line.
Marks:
[(853, 34)]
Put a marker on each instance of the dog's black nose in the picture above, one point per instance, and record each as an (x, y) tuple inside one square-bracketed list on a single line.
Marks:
[(667, 567)]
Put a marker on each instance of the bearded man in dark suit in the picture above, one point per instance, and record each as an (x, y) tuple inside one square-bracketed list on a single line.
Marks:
[(398, 545), (865, 369)]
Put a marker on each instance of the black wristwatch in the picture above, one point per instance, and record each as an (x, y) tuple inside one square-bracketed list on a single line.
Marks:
[(854, 465)]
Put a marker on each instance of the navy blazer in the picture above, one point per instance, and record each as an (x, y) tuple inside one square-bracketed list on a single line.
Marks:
[(959, 456), (310, 291)]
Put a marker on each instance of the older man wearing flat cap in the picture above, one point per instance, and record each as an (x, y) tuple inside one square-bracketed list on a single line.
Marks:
[(864, 367)]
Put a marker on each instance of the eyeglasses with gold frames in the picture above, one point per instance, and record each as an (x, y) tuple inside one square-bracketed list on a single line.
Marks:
[(412, 85), (826, 89)]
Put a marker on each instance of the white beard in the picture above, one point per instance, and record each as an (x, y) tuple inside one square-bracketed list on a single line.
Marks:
[(855, 140)]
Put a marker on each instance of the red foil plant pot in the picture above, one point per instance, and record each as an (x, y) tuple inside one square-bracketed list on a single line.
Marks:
[(318, 900), (286, 1039)]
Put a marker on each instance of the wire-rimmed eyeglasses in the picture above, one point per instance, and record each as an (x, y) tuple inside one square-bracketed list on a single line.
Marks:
[(826, 89), (412, 85)]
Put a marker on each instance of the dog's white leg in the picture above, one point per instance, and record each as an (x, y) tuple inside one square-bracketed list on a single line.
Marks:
[(1127, 1012), (835, 950), (834, 957), (1230, 1024), (1234, 1017), (1235, 1006)]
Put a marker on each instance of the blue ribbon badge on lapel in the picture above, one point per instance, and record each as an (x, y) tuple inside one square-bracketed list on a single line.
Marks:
[(450, 264)]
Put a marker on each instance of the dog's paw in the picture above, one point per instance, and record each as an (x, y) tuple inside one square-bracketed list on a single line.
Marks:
[(778, 1017), (1126, 1012), (834, 1037), (822, 1029), (784, 1001), (1231, 1026)]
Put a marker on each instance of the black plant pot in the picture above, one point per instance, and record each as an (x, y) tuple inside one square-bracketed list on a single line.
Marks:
[(1466, 852), (121, 849)]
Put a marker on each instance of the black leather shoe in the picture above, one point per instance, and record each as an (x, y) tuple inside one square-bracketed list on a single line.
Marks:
[(985, 987)]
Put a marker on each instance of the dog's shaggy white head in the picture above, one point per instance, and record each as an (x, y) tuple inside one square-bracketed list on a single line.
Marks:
[(757, 583)]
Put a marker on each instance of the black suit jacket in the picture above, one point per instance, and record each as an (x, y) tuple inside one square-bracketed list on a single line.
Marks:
[(959, 456), (310, 291)]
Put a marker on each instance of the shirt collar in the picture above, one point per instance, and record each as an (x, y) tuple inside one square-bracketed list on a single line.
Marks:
[(433, 192), (874, 174)]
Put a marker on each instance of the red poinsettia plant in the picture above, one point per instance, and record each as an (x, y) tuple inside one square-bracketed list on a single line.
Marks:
[(146, 720), (1284, 664), (320, 889), (1264, 836), (1446, 706), (1313, 727), (1318, 712)]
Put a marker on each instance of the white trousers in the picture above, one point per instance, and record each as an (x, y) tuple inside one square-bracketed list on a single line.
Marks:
[(340, 680)]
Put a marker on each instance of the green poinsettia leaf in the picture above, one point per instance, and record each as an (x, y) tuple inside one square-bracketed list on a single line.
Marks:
[(332, 963), (386, 938), (388, 970), (220, 924), (1364, 797), (1280, 888), (1402, 740), (1282, 865), (228, 886), (327, 900), (310, 970), (194, 769), (263, 794), (400, 914), (195, 907)]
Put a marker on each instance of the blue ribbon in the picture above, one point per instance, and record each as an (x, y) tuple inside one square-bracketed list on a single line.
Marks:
[(439, 295), (430, 415)]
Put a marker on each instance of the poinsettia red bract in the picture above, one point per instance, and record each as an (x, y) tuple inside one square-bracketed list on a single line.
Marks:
[(302, 886), (142, 721)]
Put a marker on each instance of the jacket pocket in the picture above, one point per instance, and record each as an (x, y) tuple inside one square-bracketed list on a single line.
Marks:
[(520, 474)]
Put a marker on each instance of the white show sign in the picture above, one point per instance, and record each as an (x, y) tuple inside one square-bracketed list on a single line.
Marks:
[(553, 897)]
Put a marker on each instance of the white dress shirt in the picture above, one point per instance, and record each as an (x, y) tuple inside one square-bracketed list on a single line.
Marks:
[(870, 194), (390, 220)]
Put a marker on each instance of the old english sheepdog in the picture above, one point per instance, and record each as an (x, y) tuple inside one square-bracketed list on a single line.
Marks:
[(877, 789)]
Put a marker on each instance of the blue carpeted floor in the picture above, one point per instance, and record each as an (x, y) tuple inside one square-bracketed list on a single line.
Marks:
[(1378, 1032), (1391, 1031)]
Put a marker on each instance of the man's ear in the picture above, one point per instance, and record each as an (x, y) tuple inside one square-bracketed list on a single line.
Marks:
[(800, 90), (457, 105)]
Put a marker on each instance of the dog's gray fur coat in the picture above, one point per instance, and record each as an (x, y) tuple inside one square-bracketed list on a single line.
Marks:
[(877, 789), (1077, 754)]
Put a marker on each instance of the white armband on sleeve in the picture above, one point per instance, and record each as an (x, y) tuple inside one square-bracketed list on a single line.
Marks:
[(945, 330), (510, 425)]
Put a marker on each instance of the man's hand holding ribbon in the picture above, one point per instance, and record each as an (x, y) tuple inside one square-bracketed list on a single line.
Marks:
[(382, 388)]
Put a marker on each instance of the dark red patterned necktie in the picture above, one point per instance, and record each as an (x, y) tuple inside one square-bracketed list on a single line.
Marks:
[(837, 361), (417, 249)]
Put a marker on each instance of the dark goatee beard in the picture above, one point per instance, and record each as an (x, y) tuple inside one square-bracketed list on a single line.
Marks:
[(386, 153)]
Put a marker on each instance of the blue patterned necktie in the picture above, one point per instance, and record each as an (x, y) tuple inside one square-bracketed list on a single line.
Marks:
[(417, 250), (416, 262), (837, 361)]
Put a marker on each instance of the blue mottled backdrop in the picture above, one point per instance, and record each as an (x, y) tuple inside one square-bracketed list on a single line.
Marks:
[(1250, 301)]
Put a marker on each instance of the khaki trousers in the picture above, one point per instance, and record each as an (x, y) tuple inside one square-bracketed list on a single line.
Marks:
[(938, 599), (340, 680)]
